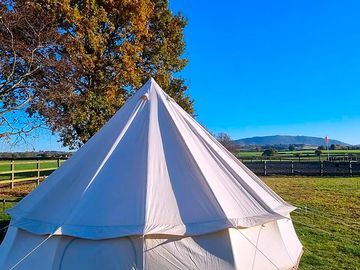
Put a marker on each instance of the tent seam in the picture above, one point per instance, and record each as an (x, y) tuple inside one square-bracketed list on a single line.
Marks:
[(194, 160)]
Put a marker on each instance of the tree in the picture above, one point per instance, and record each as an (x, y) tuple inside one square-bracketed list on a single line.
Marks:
[(96, 54), (321, 147), (28, 43), (291, 147), (269, 152), (332, 147), (110, 48), (226, 141), (318, 152)]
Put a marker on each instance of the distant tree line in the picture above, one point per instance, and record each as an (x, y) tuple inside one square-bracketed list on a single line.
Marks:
[(340, 147), (35, 155), (270, 152), (293, 147)]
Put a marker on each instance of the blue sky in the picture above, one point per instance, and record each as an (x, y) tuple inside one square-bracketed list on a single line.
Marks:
[(275, 67), (271, 67)]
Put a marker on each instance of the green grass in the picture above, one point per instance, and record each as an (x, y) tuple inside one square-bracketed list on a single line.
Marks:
[(305, 155), (249, 154), (331, 152), (19, 165), (327, 220), (302, 152)]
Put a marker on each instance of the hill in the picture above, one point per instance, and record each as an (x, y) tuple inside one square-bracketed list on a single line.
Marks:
[(286, 140)]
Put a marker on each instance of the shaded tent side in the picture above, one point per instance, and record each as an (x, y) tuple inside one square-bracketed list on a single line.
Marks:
[(270, 246)]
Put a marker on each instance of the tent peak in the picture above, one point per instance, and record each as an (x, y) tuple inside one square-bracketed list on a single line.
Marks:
[(152, 85), (150, 81), (152, 169)]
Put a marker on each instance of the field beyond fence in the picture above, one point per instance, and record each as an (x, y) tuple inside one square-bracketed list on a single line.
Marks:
[(17, 171), (301, 155), (22, 170)]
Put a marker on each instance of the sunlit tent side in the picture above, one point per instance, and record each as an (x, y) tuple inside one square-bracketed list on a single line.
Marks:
[(151, 190)]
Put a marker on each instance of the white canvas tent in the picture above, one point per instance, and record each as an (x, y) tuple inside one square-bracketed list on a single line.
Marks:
[(151, 190)]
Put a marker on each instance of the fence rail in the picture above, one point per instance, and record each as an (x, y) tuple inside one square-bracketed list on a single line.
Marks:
[(16, 171), (305, 168)]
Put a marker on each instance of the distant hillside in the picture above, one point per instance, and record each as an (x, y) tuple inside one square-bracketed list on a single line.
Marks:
[(286, 140)]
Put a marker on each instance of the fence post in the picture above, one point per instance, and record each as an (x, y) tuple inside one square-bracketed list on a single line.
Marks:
[(58, 162), (292, 168), (12, 168), (350, 168), (321, 168), (265, 173), (38, 172)]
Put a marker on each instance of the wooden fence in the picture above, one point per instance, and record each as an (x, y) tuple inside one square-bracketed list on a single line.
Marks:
[(16, 171), (305, 168)]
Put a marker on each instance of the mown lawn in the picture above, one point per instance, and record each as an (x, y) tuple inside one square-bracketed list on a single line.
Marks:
[(327, 220), (20, 165)]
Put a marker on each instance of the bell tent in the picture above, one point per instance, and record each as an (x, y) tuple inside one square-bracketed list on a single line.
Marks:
[(151, 190)]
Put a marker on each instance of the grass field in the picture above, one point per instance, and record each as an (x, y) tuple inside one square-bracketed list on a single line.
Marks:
[(20, 165), (302, 152), (331, 152), (327, 220), (294, 155)]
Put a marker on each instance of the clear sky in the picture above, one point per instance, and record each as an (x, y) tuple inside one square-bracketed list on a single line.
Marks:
[(271, 67), (275, 67)]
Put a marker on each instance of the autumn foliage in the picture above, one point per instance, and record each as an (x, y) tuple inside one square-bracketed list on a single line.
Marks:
[(101, 52)]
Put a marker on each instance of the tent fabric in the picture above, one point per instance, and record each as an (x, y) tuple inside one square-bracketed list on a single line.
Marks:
[(270, 246), (152, 169), (151, 190)]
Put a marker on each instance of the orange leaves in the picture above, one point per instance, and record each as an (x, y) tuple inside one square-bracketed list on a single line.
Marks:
[(109, 48)]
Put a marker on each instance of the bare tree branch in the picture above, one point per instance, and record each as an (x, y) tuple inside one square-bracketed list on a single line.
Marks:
[(28, 43)]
